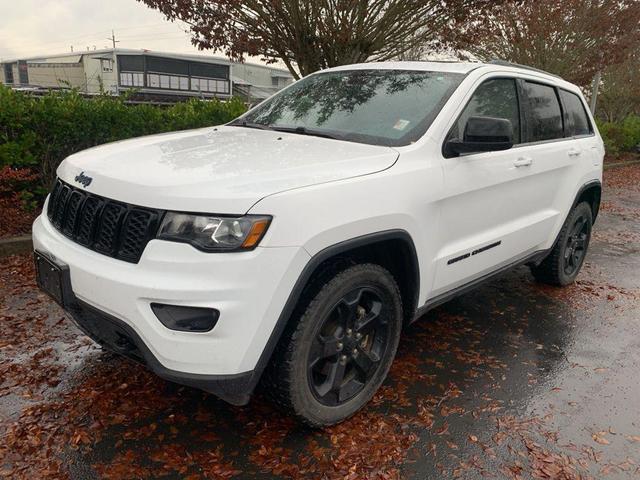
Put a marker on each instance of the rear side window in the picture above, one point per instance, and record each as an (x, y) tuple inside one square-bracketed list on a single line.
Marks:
[(494, 98), (545, 116), (575, 115)]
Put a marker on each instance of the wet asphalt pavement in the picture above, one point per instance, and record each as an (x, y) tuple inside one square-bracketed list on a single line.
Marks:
[(513, 380)]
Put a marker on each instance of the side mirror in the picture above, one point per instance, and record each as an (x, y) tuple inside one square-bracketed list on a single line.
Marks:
[(483, 134)]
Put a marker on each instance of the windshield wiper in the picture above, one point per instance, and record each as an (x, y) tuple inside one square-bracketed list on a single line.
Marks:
[(305, 131), (299, 130), (246, 124)]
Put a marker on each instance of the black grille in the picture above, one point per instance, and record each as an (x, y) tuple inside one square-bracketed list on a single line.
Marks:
[(112, 228)]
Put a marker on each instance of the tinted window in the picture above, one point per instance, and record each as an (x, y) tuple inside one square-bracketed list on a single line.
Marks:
[(131, 63), (545, 117), (383, 107), (494, 98), (575, 115)]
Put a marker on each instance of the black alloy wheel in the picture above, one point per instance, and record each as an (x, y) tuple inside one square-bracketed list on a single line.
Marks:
[(337, 349), (348, 347), (564, 261), (576, 245)]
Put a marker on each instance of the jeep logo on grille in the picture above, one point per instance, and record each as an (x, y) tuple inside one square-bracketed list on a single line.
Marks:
[(83, 179)]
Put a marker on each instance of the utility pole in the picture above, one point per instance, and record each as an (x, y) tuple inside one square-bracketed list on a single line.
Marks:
[(113, 39), (594, 92), (114, 62)]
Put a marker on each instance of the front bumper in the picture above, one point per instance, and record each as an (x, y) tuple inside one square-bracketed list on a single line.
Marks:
[(111, 301)]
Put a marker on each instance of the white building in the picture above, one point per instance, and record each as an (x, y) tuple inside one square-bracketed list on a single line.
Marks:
[(153, 75)]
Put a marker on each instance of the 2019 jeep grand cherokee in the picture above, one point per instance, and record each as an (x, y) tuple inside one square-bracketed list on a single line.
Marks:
[(292, 245)]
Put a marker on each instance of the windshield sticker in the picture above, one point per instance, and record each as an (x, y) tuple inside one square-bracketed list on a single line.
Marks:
[(401, 124)]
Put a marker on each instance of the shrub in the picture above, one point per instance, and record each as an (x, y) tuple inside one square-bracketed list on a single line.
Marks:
[(631, 132), (621, 136), (37, 133)]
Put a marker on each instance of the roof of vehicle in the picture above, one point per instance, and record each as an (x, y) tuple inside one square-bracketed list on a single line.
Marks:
[(455, 67)]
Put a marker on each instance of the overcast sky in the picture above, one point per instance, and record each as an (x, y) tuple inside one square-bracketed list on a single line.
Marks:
[(38, 27)]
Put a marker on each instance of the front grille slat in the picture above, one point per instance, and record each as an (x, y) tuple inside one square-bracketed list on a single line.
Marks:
[(115, 229), (53, 198), (106, 239), (74, 203), (88, 219), (137, 226), (60, 205)]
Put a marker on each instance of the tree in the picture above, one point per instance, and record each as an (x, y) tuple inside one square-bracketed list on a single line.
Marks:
[(620, 91), (571, 38), (315, 34)]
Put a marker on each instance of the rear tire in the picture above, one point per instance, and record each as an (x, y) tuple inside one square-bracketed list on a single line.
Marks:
[(562, 265), (335, 355)]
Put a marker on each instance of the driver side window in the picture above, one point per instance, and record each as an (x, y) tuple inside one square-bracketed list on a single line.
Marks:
[(494, 98)]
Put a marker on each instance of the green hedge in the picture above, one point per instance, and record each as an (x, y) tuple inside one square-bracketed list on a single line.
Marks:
[(622, 136), (39, 132)]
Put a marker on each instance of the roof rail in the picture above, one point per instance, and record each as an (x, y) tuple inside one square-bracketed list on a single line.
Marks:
[(504, 63)]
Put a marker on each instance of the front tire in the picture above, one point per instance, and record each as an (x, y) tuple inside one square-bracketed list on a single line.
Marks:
[(562, 265), (333, 358)]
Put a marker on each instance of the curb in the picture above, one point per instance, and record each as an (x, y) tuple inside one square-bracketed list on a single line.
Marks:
[(620, 164), (14, 245)]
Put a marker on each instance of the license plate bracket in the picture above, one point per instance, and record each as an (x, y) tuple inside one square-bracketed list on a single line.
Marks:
[(53, 279)]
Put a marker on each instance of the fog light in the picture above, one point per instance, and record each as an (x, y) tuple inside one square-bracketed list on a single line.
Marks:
[(186, 319)]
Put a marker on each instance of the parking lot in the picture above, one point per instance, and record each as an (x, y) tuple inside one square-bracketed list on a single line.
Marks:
[(513, 380)]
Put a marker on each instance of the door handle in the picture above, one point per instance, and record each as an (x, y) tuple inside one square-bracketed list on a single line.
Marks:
[(574, 153), (523, 162)]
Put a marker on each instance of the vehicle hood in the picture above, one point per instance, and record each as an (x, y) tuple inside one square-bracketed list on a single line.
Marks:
[(218, 170)]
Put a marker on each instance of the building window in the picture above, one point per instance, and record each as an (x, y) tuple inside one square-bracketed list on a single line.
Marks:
[(222, 86), (169, 82), (153, 80), (8, 73), (106, 65), (209, 85), (128, 79)]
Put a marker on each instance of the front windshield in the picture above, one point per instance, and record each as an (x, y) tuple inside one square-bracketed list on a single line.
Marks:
[(380, 107)]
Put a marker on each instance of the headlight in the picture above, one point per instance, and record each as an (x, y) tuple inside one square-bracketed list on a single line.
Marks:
[(214, 233)]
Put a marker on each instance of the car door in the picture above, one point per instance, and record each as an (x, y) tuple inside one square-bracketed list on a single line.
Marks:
[(586, 149), (556, 152), (496, 208)]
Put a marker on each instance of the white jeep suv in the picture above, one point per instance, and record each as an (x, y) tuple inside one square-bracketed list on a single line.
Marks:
[(291, 246)]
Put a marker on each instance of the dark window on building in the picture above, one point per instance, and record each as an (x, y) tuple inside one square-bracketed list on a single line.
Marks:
[(167, 65), (545, 116), (8, 73), (208, 70), (575, 115), (131, 63), (23, 72), (494, 98)]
